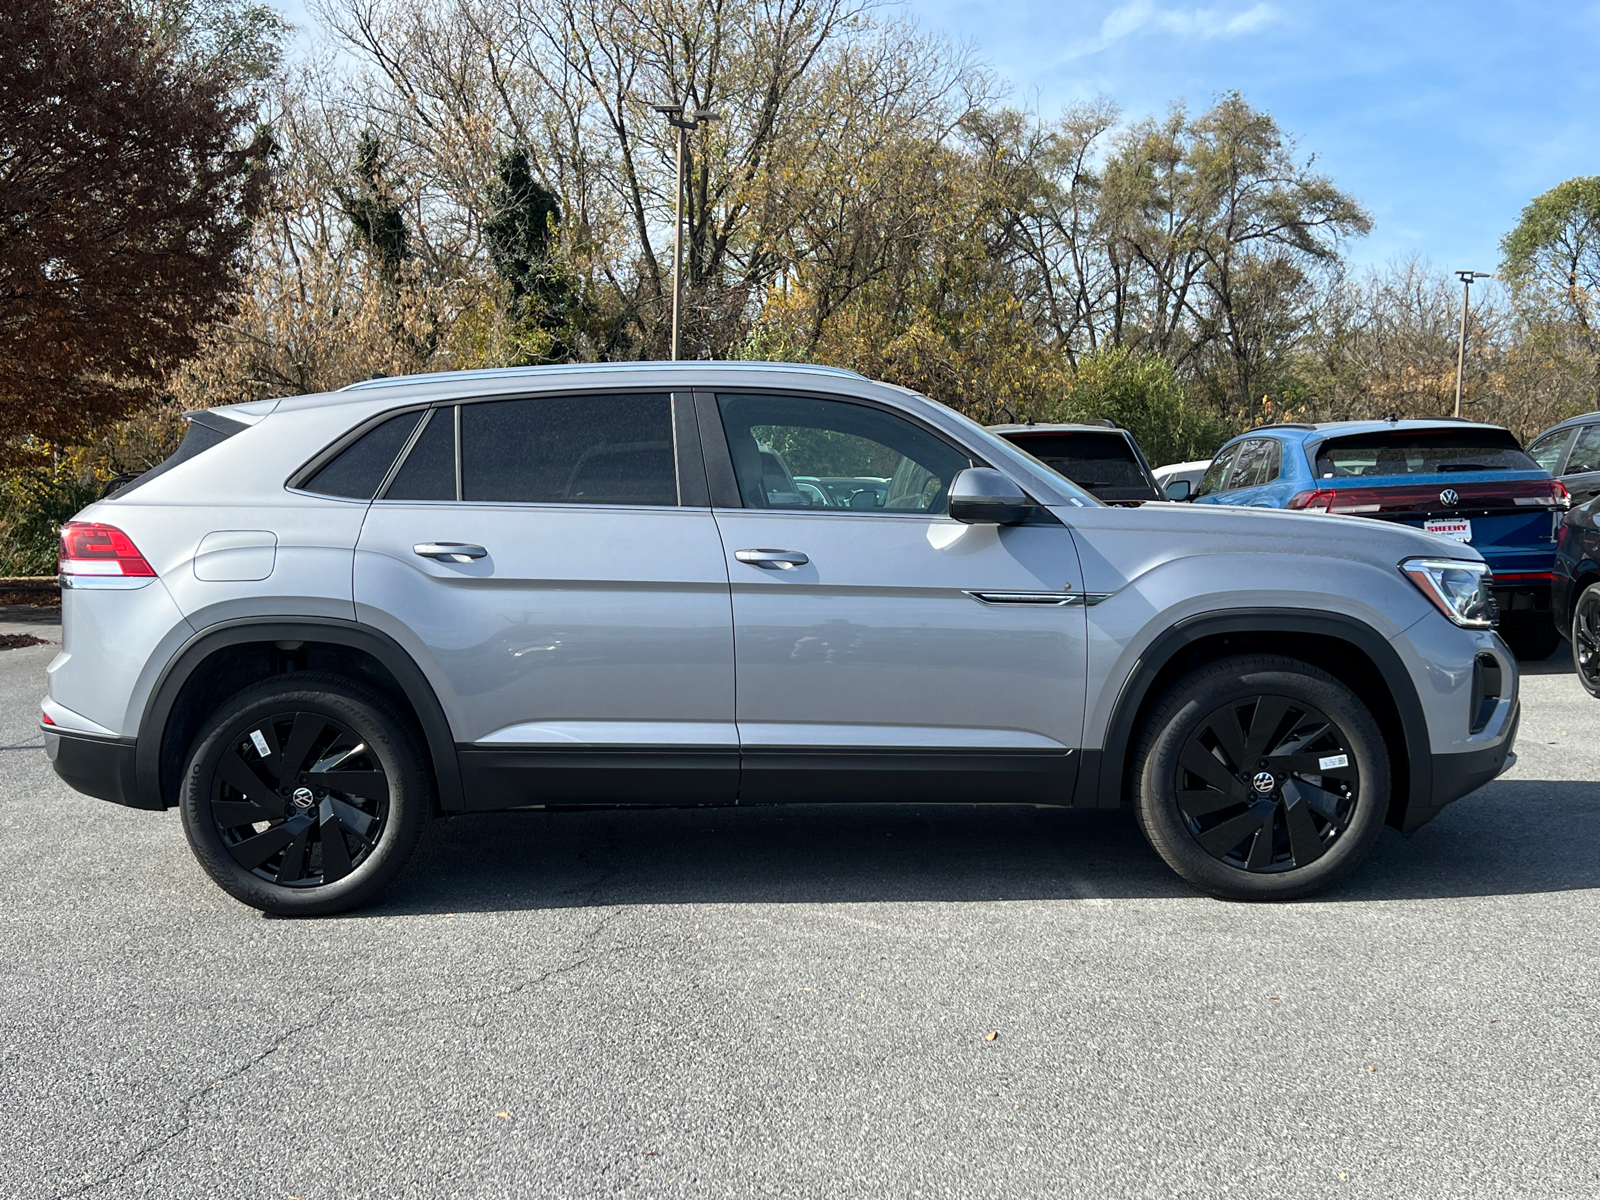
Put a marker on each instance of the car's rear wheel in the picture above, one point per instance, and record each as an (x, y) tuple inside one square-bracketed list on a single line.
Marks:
[(306, 795), (1261, 778), (1531, 640), (1586, 639)]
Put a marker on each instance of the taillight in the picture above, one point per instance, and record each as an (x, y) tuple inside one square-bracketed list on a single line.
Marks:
[(1314, 501), (91, 549)]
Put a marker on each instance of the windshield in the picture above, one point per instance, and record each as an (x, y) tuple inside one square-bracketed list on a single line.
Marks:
[(1102, 462), (1421, 452)]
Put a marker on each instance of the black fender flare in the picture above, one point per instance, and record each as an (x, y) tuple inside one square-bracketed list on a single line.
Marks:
[(429, 712), (1103, 789)]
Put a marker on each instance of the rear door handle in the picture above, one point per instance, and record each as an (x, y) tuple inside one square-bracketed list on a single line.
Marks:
[(458, 552), (772, 560)]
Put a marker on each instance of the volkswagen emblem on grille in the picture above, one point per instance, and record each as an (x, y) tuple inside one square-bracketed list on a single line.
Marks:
[(1264, 782), (1449, 496)]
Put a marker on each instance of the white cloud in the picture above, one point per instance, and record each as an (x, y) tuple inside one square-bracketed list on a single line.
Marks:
[(1204, 24)]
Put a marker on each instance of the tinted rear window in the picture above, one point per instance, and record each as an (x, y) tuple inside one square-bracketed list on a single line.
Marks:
[(206, 429), (361, 466), (429, 472), (1421, 452), (1103, 463), (569, 450)]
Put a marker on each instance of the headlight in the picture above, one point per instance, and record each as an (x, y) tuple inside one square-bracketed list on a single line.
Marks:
[(1460, 590)]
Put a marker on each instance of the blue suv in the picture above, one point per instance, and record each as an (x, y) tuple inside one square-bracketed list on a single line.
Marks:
[(1458, 479)]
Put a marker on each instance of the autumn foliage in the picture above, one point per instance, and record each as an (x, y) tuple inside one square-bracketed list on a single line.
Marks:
[(127, 196)]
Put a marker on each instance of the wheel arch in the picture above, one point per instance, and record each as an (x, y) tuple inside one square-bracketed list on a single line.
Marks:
[(221, 659), (1348, 649), (1587, 573)]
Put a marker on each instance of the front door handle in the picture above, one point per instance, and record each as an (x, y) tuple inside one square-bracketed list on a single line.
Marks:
[(458, 552), (772, 560)]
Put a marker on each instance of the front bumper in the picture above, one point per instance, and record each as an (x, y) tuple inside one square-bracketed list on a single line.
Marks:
[(1457, 775), (98, 767)]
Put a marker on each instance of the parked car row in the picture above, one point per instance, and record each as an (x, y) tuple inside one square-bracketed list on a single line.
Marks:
[(1530, 513)]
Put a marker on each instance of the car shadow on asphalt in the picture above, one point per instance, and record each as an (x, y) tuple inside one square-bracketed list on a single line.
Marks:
[(1514, 836)]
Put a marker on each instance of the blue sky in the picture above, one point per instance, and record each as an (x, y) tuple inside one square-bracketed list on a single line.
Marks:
[(1443, 119)]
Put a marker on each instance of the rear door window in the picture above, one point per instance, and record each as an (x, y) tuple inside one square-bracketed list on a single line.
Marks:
[(1260, 460), (1103, 463), (569, 450), (1585, 454), (429, 472), (1421, 452), (1546, 451), (1215, 480)]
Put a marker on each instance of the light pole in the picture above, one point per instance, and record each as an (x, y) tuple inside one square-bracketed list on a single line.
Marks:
[(1466, 278), (684, 121)]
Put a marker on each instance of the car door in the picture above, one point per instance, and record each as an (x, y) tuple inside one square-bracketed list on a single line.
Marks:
[(883, 649), (1581, 473), (552, 564)]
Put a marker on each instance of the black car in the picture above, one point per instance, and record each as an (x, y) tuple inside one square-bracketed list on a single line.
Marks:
[(1098, 456), (1575, 590), (1571, 452)]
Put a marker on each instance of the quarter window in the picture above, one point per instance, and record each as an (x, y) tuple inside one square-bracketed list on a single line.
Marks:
[(794, 452), (358, 470)]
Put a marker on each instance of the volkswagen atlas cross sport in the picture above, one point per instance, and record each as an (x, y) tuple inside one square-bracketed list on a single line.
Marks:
[(1461, 479), (330, 618)]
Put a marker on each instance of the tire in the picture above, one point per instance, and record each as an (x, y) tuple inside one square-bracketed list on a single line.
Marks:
[(1586, 639), (1266, 797), (1531, 641), (306, 795)]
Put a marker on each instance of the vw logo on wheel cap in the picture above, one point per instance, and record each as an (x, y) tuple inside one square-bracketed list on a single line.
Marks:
[(303, 798), (1264, 782), (1449, 496)]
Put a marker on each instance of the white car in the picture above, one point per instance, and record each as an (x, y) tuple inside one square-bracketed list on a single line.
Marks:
[(1189, 473)]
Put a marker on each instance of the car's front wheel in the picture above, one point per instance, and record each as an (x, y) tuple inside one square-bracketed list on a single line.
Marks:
[(306, 795), (1261, 778), (1586, 639)]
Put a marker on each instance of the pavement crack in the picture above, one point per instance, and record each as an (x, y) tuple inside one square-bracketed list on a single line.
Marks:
[(190, 1102)]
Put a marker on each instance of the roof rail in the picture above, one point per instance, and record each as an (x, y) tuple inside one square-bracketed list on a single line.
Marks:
[(603, 368)]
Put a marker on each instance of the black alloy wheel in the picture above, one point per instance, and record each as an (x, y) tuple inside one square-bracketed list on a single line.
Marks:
[(299, 799), (1261, 777), (1267, 783), (1586, 639), (306, 795)]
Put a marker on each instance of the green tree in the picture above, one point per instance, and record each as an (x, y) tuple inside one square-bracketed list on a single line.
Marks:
[(374, 213), (524, 217), (1552, 258), (1142, 393)]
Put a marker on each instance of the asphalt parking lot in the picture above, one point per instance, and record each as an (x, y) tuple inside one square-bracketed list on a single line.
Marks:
[(800, 1002)]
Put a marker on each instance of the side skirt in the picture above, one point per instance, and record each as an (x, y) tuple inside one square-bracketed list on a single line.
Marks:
[(523, 777)]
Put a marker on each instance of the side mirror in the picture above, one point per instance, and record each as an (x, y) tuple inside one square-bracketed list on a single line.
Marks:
[(983, 496), (1179, 489)]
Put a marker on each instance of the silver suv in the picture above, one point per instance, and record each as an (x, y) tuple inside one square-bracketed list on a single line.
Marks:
[(328, 619)]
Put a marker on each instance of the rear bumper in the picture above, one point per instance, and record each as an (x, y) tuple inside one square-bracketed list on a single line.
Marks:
[(1522, 599), (98, 767), (1457, 775)]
